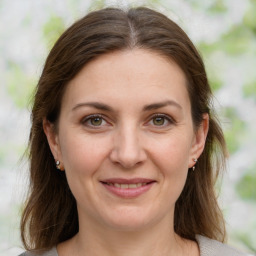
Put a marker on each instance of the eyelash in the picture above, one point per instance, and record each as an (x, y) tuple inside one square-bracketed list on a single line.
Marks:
[(165, 117), (102, 118), (90, 118)]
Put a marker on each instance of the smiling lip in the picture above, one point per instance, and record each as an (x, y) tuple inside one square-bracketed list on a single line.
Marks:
[(128, 188)]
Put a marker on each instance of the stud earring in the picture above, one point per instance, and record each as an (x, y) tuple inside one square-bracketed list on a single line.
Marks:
[(57, 164), (194, 167)]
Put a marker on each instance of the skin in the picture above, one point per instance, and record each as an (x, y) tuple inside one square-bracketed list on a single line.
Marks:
[(141, 128)]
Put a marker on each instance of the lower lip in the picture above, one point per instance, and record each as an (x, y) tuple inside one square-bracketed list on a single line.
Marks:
[(128, 192)]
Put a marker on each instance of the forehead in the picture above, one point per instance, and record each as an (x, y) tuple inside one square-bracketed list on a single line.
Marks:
[(136, 75)]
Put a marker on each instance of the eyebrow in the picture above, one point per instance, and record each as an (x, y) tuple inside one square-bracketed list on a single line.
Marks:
[(102, 106), (161, 105), (96, 105)]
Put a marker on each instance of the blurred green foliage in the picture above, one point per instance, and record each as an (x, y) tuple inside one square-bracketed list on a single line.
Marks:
[(234, 130), (218, 6), (2, 155), (249, 90), (237, 40), (246, 239), (246, 186), (250, 17), (52, 29), (19, 84), (97, 4), (215, 82)]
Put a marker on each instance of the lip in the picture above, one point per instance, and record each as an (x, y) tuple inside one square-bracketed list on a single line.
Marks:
[(145, 185), (127, 181)]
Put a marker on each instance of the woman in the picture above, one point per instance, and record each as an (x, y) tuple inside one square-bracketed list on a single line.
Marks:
[(124, 146)]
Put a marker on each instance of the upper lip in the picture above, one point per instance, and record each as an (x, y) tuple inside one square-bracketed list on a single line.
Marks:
[(127, 181)]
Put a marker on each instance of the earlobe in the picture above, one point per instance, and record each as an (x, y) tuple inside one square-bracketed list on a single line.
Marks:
[(200, 139), (52, 138)]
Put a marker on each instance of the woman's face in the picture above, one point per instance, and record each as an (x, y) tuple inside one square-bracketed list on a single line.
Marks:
[(126, 139)]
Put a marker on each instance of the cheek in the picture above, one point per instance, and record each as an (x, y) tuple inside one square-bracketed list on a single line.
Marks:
[(82, 154), (172, 152), (82, 157), (171, 156)]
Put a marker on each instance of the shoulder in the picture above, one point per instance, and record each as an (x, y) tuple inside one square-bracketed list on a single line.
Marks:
[(51, 252), (209, 247)]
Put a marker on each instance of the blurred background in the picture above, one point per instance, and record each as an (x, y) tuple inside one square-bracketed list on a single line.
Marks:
[(225, 34)]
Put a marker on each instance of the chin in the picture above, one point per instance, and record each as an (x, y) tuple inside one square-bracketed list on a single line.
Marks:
[(130, 220)]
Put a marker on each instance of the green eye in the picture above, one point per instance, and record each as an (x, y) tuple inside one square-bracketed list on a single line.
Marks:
[(96, 121), (158, 120)]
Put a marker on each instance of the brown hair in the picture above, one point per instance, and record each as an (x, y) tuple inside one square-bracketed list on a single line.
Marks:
[(50, 215)]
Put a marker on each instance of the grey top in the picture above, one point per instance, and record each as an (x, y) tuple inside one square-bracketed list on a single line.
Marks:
[(208, 247)]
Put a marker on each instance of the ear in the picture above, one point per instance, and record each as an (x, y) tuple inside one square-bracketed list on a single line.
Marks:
[(199, 140), (53, 140)]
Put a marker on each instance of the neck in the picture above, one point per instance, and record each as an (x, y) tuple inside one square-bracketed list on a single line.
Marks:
[(155, 240)]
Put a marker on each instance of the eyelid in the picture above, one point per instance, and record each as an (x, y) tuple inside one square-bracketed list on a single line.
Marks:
[(163, 115), (87, 118), (171, 120)]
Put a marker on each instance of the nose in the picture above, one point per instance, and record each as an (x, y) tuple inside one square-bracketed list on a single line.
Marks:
[(127, 149)]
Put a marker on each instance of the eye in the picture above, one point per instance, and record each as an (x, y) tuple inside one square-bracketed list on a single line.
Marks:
[(161, 120), (94, 121)]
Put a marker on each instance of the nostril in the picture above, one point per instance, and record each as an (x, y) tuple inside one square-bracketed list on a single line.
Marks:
[(127, 153), (126, 162)]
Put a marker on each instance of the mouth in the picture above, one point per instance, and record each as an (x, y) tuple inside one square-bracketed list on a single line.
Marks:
[(128, 188), (132, 185)]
